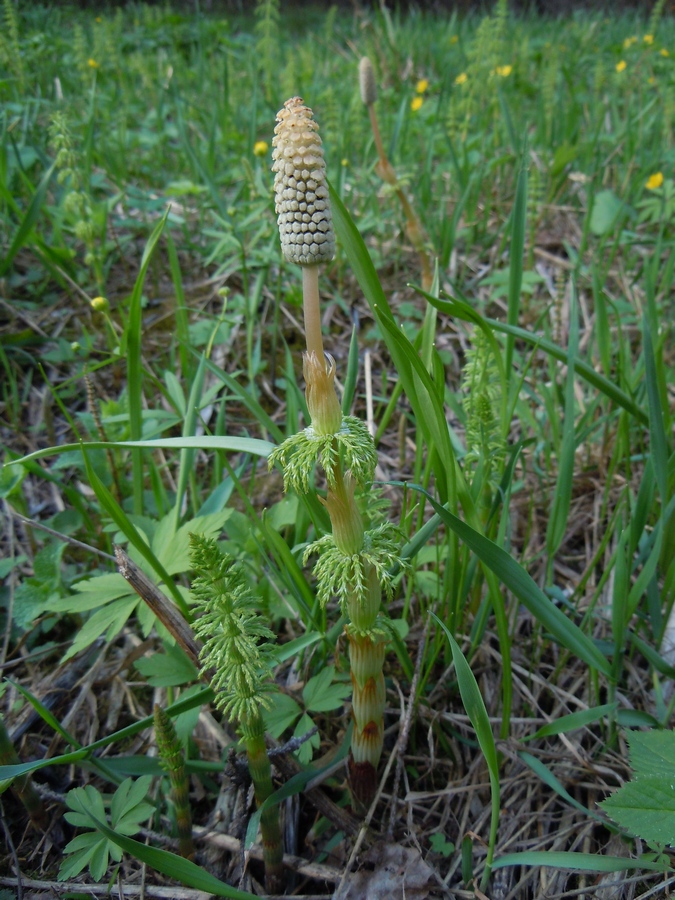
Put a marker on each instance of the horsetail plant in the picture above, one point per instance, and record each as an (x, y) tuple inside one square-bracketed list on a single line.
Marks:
[(173, 762), (387, 173), (354, 561), (237, 659)]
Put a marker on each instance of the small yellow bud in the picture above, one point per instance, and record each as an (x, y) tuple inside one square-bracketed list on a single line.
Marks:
[(504, 71), (260, 148), (648, 39), (322, 401), (454, 39), (100, 304), (654, 181), (92, 64), (621, 65), (422, 85), (462, 78), (664, 52), (416, 103), (367, 82)]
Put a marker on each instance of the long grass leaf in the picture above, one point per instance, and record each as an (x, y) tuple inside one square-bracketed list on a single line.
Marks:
[(562, 497), (135, 364), (188, 873), (521, 584), (477, 713), (516, 251), (580, 862), (119, 517), (454, 308), (28, 222)]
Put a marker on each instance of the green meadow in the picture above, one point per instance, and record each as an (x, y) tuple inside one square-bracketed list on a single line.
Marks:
[(499, 314)]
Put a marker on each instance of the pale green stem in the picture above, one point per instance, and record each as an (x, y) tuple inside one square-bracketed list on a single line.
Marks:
[(310, 294)]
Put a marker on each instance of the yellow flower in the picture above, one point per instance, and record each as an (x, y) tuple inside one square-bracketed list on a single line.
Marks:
[(99, 19), (344, 162), (422, 85), (654, 181), (629, 42), (260, 148), (92, 64), (454, 39), (99, 304), (461, 78), (504, 71), (621, 65), (416, 103), (664, 52), (648, 39)]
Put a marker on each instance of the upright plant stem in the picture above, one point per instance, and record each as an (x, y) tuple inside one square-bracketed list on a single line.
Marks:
[(261, 775), (310, 295)]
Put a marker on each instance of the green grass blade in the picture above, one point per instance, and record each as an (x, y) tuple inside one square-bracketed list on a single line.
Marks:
[(571, 722), (657, 433), (549, 779), (583, 369), (562, 497), (357, 255), (182, 332), (119, 517), (352, 373), (254, 446), (187, 455), (581, 862), (477, 713), (188, 873), (28, 222), (517, 249), (135, 364), (521, 584)]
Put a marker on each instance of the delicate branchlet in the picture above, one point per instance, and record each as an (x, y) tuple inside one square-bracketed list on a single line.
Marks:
[(347, 576), (172, 760), (301, 193), (331, 437), (481, 388), (299, 454), (231, 629)]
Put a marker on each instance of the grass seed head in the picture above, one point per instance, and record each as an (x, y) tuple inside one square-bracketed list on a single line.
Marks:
[(301, 192)]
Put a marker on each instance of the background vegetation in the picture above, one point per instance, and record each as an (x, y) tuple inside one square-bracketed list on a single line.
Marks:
[(528, 397)]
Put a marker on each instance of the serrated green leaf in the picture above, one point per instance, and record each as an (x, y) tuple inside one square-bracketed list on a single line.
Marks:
[(646, 808), (320, 695), (93, 592), (652, 753), (109, 620)]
